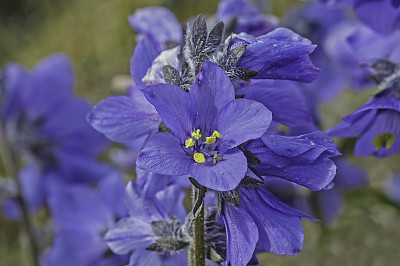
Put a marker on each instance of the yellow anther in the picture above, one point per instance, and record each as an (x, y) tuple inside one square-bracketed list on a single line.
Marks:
[(384, 140), (217, 134), (189, 142), (210, 140), (196, 134), (199, 158)]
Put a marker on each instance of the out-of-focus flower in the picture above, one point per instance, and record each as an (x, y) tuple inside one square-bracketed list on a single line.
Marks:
[(377, 122), (46, 125), (245, 16), (151, 230)]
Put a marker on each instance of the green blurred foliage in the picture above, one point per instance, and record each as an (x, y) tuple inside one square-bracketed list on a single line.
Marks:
[(97, 37)]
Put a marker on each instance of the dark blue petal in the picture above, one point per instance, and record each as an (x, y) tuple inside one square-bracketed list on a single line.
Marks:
[(279, 232), (280, 54), (163, 154), (242, 235), (241, 120), (287, 104)]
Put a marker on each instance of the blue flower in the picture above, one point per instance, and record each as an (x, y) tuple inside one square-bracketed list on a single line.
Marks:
[(46, 125), (261, 222), (207, 125), (80, 215), (383, 16), (248, 17), (376, 124), (151, 230)]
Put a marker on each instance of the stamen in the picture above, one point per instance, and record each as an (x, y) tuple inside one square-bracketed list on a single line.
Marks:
[(199, 158), (210, 140), (189, 142), (196, 134), (217, 134)]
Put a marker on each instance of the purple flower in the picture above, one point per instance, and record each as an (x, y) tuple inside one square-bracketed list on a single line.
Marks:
[(80, 215), (376, 124), (262, 222), (392, 188), (207, 125), (247, 17), (157, 24), (383, 16), (46, 125), (151, 230)]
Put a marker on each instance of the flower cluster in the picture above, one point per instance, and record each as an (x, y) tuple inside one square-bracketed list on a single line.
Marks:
[(225, 105)]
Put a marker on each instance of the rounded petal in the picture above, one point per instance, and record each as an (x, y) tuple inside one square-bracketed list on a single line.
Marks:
[(122, 119), (211, 91), (163, 154), (225, 174), (174, 106), (241, 120)]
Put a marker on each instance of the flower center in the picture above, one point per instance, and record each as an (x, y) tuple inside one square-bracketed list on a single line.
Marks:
[(203, 148), (385, 140)]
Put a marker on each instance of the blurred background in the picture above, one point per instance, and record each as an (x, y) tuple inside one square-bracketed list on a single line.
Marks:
[(98, 38)]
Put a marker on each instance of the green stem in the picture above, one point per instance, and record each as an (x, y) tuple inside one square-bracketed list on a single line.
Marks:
[(11, 166), (197, 250)]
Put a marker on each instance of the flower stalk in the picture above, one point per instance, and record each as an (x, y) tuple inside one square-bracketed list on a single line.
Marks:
[(197, 250), (11, 166)]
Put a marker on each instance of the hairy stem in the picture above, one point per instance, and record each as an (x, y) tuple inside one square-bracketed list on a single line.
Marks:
[(197, 250), (11, 166)]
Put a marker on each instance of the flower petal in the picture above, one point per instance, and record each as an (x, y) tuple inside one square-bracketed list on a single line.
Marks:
[(163, 154), (279, 54), (241, 120), (141, 60), (174, 106), (122, 119), (225, 174), (242, 235), (211, 91), (129, 234)]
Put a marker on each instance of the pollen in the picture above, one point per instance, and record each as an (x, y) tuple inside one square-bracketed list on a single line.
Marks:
[(199, 158), (217, 134), (385, 140), (196, 134), (189, 142), (210, 140)]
